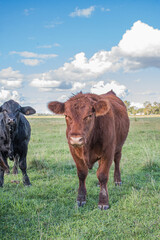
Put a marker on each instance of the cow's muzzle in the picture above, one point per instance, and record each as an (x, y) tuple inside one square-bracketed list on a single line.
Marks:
[(76, 141), (11, 121)]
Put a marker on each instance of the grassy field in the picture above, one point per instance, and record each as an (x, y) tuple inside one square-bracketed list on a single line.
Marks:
[(48, 210)]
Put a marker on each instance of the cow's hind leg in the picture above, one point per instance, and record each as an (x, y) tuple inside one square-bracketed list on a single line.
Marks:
[(117, 173), (15, 167), (1, 177)]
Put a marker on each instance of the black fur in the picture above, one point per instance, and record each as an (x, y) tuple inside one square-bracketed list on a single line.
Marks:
[(15, 134)]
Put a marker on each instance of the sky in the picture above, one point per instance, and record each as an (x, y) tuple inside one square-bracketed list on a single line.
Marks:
[(50, 50)]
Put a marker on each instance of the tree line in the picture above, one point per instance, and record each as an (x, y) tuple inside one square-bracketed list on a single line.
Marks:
[(148, 108)]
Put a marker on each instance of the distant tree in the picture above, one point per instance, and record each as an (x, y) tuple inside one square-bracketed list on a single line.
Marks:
[(147, 108), (132, 110), (128, 104)]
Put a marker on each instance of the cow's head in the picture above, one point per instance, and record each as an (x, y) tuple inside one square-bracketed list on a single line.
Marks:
[(11, 111), (80, 112)]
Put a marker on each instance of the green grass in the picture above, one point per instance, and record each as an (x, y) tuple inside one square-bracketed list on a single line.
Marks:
[(48, 210)]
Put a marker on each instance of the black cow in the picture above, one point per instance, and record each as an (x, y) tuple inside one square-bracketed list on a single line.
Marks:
[(15, 133)]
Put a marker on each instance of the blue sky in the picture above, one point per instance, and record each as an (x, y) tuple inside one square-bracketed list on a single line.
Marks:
[(51, 49)]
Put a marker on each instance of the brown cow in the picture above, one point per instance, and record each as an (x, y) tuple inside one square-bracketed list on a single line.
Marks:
[(97, 127)]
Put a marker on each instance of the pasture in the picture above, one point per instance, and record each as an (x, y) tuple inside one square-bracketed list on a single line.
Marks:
[(48, 209)]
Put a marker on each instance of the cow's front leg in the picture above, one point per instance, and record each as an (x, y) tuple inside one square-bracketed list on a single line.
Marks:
[(23, 164), (103, 176), (82, 174), (23, 167)]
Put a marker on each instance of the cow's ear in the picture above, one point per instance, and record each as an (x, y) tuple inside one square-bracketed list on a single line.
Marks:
[(101, 108), (27, 110), (56, 107)]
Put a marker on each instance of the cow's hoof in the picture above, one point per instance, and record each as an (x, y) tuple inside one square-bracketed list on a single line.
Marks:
[(26, 181), (27, 184), (118, 183), (81, 203), (103, 207)]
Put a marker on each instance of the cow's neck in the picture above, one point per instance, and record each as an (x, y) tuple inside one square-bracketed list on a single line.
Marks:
[(11, 132)]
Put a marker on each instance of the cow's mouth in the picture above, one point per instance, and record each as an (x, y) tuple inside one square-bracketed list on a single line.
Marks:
[(11, 127), (77, 145)]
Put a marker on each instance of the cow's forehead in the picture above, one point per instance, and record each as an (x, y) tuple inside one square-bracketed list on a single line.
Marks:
[(80, 106), (11, 105)]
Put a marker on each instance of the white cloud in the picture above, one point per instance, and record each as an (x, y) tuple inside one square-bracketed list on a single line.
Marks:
[(11, 78), (63, 98), (138, 80), (137, 105), (77, 86), (11, 83), (82, 12), (45, 81), (31, 62), (141, 40), (49, 46), (28, 11), (82, 69), (139, 48), (41, 83), (101, 88), (33, 59), (53, 24), (45, 46), (56, 45), (26, 54), (6, 95), (105, 9)]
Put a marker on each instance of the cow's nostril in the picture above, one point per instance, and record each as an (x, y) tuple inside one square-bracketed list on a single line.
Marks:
[(11, 121), (76, 140)]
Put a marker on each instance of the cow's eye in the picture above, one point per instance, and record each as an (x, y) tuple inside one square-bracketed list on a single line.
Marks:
[(4, 111), (17, 111), (88, 117)]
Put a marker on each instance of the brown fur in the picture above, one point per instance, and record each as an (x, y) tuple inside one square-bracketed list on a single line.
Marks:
[(97, 127), (2, 163)]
